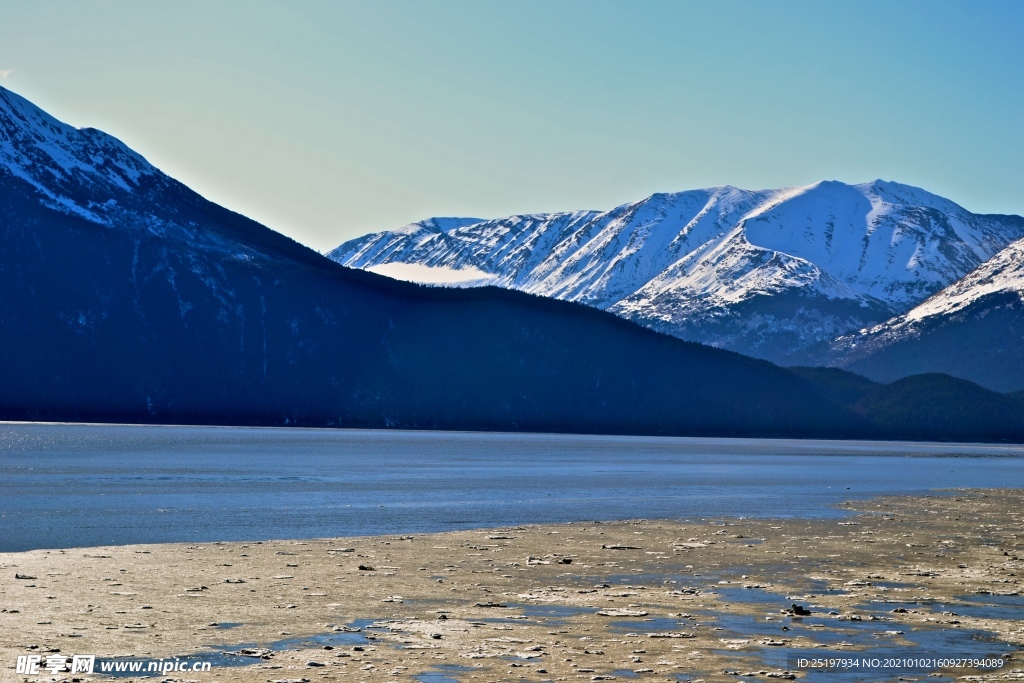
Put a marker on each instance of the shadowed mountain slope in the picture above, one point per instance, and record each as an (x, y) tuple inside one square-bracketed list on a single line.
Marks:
[(972, 329), (128, 297)]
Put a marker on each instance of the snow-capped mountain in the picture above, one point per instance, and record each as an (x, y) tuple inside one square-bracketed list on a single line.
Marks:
[(90, 175), (65, 164), (773, 273), (1003, 273), (973, 329)]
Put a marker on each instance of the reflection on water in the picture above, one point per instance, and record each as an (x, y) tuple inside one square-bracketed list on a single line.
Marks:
[(876, 636), (444, 673), (828, 633), (977, 610), (550, 614)]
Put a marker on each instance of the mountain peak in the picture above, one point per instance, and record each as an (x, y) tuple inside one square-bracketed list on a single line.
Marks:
[(822, 259), (62, 162), (892, 192), (443, 224)]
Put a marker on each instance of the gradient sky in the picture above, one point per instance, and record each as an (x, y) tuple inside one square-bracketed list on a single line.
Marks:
[(329, 120)]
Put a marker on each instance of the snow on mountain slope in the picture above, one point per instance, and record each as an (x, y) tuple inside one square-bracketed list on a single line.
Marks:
[(972, 329), (772, 273), (64, 163), (1004, 272), (93, 176), (893, 242)]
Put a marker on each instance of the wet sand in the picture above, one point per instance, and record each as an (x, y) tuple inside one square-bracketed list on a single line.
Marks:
[(709, 600)]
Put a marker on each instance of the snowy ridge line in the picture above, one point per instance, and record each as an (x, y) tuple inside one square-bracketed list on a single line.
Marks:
[(1004, 272), (842, 258), (891, 242), (63, 162), (88, 174)]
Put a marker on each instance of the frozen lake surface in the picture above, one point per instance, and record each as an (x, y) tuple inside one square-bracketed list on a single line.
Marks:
[(85, 485)]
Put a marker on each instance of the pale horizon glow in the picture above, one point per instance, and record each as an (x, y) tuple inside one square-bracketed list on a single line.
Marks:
[(330, 120)]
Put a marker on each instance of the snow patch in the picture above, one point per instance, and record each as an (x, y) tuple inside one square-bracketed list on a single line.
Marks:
[(63, 162), (435, 275)]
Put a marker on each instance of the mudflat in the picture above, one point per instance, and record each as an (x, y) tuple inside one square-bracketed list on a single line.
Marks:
[(935, 576)]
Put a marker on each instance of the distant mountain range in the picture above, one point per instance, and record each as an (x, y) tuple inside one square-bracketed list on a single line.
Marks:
[(798, 276), (973, 329), (127, 297)]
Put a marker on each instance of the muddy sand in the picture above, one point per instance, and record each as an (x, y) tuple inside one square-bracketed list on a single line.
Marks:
[(712, 600)]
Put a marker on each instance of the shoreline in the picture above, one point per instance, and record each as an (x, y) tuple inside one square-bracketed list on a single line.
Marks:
[(641, 599), (1012, 445)]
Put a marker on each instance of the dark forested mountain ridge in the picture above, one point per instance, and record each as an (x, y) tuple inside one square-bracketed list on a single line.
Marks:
[(129, 298)]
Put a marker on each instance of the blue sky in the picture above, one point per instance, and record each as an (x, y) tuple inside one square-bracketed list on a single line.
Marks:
[(329, 120)]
